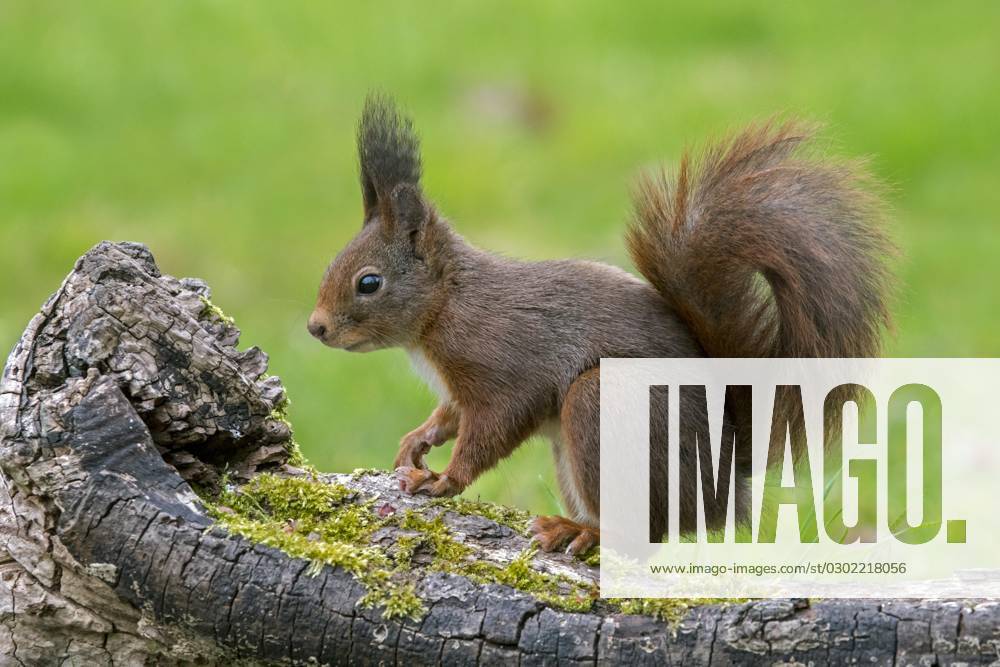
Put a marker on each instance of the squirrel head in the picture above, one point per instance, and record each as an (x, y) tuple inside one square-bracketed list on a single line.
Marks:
[(380, 287)]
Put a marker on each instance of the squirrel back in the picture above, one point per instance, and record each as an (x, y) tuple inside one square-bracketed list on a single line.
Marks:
[(765, 252)]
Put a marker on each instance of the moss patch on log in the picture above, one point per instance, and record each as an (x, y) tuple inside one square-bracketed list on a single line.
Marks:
[(320, 523), (330, 524), (515, 519)]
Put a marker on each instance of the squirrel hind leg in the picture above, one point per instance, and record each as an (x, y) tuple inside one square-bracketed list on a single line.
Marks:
[(576, 447), (578, 450)]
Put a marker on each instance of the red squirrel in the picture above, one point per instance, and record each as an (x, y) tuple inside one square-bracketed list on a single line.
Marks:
[(753, 250)]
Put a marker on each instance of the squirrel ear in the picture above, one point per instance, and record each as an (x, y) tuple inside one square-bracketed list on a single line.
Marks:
[(409, 212)]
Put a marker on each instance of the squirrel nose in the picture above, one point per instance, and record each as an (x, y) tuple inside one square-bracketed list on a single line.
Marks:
[(317, 329)]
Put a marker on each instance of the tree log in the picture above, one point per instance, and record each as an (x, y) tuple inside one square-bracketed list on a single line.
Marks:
[(127, 389)]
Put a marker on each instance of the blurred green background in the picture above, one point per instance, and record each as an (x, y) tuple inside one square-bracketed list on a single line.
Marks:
[(221, 134)]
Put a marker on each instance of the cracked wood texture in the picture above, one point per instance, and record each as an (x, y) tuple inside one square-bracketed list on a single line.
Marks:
[(127, 387)]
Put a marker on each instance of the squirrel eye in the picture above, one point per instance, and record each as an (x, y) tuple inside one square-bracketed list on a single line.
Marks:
[(369, 283)]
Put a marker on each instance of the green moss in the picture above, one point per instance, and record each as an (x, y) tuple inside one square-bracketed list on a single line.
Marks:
[(558, 591), (405, 547), (292, 541), (211, 311), (320, 523), (670, 610), (358, 473), (437, 536), (296, 458), (592, 557), (398, 602), (270, 497), (507, 516), (304, 518), (327, 524)]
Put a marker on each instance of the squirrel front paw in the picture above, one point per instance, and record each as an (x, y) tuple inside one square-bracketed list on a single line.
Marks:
[(421, 480)]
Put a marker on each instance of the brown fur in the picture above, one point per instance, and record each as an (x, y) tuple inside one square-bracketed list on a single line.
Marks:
[(755, 252)]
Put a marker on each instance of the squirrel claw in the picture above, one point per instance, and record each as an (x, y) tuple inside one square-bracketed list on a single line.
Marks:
[(420, 480)]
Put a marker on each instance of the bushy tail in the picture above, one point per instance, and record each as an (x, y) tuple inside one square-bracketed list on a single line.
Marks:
[(765, 251)]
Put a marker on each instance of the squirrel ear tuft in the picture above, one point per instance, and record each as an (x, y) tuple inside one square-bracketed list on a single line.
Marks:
[(388, 153), (407, 206), (369, 195)]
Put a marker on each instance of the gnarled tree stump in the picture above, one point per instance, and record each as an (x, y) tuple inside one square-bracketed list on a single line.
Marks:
[(127, 388)]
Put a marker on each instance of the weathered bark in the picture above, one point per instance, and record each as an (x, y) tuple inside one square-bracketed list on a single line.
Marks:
[(127, 387)]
